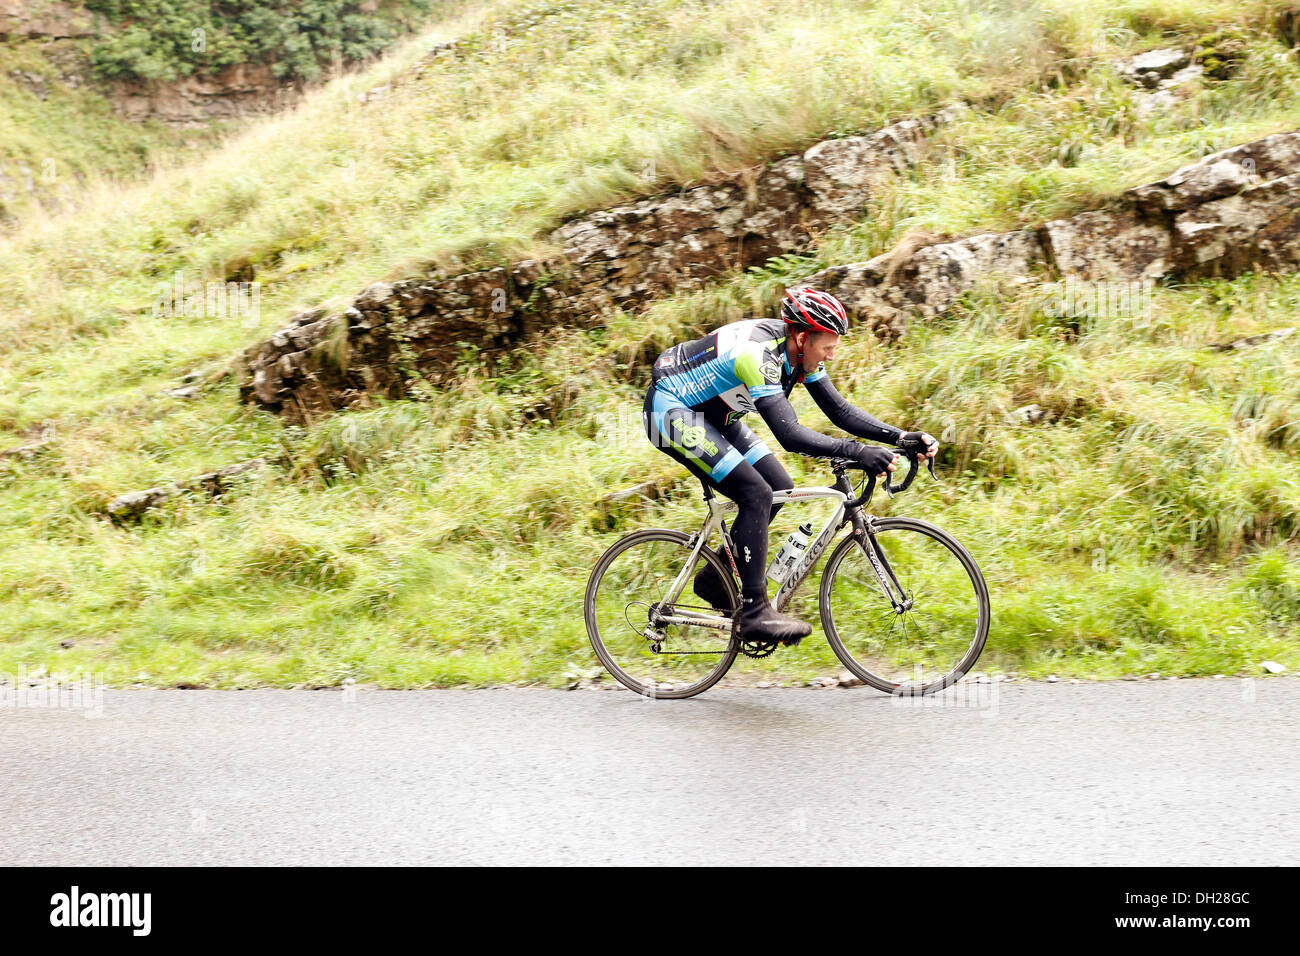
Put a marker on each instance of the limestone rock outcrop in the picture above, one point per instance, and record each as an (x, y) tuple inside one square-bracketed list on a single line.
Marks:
[(1233, 211), (1161, 77), (1236, 210), (887, 291), (616, 257), (133, 505), (241, 89)]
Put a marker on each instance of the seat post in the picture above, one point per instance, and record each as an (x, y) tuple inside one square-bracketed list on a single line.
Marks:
[(708, 492)]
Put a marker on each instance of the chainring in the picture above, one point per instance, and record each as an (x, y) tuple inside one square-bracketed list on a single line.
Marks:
[(759, 649), (754, 649)]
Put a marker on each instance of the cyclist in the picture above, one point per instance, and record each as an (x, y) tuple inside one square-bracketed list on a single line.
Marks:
[(700, 391)]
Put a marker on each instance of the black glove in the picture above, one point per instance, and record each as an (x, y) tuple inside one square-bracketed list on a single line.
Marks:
[(918, 442), (876, 460)]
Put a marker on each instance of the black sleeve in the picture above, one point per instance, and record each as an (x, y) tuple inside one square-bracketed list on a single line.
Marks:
[(781, 418), (843, 415)]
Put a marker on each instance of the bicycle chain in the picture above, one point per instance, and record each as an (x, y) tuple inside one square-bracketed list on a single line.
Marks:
[(753, 649)]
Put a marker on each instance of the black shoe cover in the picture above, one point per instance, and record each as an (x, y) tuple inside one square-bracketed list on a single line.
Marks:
[(760, 622)]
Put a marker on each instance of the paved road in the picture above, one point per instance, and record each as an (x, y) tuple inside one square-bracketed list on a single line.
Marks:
[(1164, 772)]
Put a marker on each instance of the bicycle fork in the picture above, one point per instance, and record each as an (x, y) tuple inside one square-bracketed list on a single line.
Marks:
[(865, 534)]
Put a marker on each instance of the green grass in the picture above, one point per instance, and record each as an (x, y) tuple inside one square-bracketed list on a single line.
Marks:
[(1149, 526), (61, 143), (53, 149)]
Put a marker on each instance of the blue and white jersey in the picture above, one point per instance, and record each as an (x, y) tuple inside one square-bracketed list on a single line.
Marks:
[(735, 365)]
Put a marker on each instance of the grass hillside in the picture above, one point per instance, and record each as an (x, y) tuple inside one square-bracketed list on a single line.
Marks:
[(1150, 527), (59, 130), (56, 138)]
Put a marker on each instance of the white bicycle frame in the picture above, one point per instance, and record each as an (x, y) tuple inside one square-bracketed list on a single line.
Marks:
[(718, 509)]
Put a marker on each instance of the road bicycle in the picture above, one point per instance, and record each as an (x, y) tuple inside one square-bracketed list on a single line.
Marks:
[(903, 605)]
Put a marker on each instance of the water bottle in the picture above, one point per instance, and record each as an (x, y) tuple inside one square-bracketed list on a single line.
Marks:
[(791, 552)]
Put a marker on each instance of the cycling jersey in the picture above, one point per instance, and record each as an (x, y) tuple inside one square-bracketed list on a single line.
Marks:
[(730, 369), (701, 389)]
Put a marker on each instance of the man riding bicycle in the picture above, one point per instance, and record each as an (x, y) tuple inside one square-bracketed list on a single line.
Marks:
[(700, 391)]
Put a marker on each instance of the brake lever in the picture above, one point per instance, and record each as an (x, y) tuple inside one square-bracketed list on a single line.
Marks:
[(929, 466)]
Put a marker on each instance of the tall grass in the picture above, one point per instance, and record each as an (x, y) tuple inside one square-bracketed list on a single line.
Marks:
[(57, 141)]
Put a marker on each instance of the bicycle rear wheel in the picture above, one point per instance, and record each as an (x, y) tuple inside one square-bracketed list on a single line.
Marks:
[(625, 607), (938, 635)]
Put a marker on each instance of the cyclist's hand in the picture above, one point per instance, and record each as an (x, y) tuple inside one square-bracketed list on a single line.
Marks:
[(917, 441), (877, 460)]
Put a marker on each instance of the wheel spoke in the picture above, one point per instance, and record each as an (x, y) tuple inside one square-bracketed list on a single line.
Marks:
[(941, 632), (631, 579)]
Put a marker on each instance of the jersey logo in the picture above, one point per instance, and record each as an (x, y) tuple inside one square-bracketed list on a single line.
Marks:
[(770, 371), (738, 399), (693, 435)]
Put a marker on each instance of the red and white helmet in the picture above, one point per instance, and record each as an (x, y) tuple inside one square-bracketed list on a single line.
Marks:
[(813, 309)]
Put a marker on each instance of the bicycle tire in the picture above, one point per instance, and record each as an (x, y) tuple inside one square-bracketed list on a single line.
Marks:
[(980, 593), (599, 645)]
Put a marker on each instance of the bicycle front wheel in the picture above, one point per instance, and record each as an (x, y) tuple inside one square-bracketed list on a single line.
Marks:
[(638, 634), (936, 631)]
